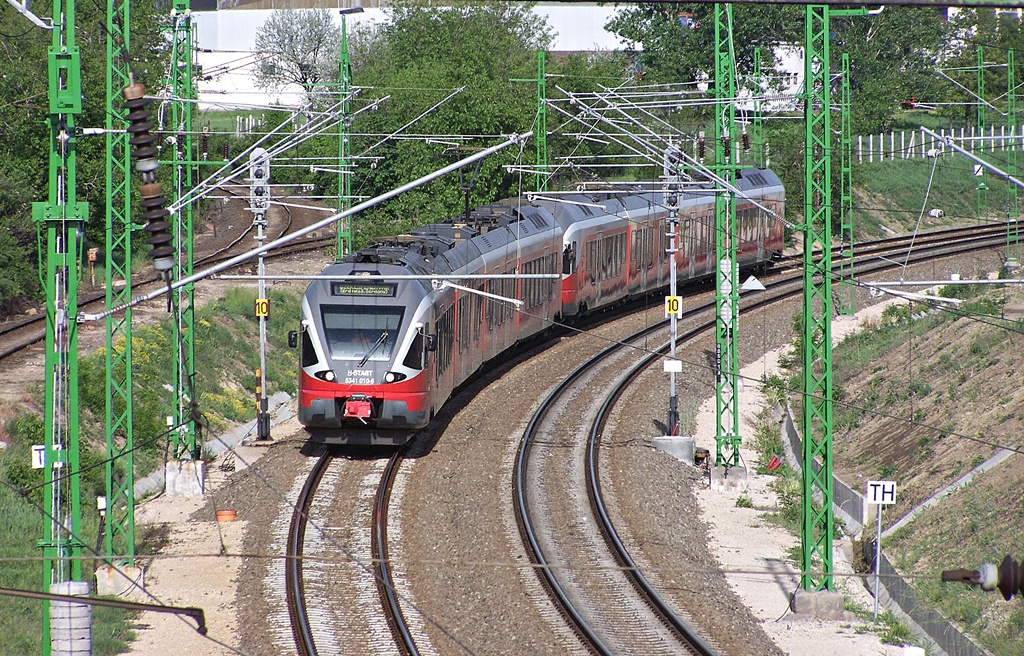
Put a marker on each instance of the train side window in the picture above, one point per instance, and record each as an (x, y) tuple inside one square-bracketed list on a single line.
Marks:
[(569, 259), (308, 355)]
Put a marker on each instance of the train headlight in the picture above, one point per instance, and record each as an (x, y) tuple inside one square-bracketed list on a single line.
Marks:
[(327, 375), (393, 377)]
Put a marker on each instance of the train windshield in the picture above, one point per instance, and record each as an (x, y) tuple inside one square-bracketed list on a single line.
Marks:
[(361, 332)]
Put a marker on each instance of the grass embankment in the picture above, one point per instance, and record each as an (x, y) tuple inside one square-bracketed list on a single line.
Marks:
[(930, 394), (892, 194), (226, 359)]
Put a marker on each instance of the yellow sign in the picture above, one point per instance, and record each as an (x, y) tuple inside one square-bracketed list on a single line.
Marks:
[(674, 305), (262, 307)]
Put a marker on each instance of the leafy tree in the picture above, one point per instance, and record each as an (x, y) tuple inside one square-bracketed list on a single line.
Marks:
[(300, 47), (418, 58), (24, 131)]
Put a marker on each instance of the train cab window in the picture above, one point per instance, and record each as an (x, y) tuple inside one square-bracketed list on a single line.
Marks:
[(308, 355), (361, 332), (414, 358)]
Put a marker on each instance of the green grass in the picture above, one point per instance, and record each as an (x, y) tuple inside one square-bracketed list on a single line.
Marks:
[(226, 359), (897, 193)]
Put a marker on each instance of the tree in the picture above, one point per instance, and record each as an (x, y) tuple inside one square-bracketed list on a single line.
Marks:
[(418, 58), (24, 132), (299, 47)]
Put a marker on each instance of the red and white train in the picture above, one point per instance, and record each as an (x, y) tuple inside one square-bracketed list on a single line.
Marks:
[(380, 356)]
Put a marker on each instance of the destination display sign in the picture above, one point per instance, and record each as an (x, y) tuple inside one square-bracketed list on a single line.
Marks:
[(362, 289)]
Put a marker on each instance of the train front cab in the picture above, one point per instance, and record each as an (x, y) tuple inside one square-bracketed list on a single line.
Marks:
[(365, 370)]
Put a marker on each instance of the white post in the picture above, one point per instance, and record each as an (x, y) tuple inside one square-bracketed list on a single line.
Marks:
[(860, 149), (878, 556)]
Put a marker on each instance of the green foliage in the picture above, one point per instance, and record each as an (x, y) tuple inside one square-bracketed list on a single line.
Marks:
[(300, 47), (24, 114), (894, 631), (744, 501)]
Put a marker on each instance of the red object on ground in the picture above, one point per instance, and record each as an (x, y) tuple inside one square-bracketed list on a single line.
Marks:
[(358, 409), (773, 464)]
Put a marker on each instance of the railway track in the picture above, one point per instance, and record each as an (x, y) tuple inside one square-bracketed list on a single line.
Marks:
[(312, 628), (19, 335), (560, 526)]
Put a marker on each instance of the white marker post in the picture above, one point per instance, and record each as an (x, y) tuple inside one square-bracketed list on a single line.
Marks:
[(880, 493)]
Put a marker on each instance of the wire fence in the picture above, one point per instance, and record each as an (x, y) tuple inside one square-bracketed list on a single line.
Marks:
[(850, 507)]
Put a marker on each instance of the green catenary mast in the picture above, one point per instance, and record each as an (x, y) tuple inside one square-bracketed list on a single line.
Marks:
[(982, 188), (816, 419), (119, 528), (727, 435), (344, 231), (1012, 210), (183, 163), (846, 287), (63, 217)]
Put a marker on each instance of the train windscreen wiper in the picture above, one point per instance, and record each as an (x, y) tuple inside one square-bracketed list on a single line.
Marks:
[(380, 340)]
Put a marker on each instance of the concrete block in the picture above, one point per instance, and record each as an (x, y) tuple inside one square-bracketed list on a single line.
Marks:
[(70, 623), (185, 478), (126, 581), (820, 604), (913, 650), (679, 447), (729, 478)]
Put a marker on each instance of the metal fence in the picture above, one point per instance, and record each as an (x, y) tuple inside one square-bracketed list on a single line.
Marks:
[(909, 144), (850, 507)]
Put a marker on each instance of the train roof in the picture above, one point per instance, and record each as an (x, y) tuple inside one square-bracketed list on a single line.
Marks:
[(453, 244)]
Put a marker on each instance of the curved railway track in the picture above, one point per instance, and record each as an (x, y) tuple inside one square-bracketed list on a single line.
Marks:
[(304, 630), (19, 335), (588, 600)]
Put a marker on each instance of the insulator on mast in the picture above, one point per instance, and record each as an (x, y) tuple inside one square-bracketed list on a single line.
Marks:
[(746, 140), (701, 145), (144, 152)]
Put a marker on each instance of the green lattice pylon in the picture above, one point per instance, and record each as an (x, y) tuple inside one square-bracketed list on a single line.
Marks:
[(846, 296), (63, 218), (183, 91), (757, 122), (344, 230), (541, 131), (981, 188), (119, 528), (727, 293), (816, 418), (1012, 209)]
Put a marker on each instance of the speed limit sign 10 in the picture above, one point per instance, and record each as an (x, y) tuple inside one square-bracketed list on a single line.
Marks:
[(262, 307), (674, 306)]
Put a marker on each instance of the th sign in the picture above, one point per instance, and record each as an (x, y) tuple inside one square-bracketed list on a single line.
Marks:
[(881, 492)]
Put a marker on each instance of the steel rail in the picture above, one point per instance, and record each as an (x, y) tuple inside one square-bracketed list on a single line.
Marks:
[(294, 591), (521, 504), (382, 564)]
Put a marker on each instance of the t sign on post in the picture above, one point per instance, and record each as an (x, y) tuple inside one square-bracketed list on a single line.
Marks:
[(881, 493)]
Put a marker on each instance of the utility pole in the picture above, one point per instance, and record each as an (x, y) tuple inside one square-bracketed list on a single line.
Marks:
[(847, 297), (673, 306), (1012, 211), (119, 524), (63, 217), (259, 203), (344, 230), (183, 161), (818, 524), (982, 188), (542, 120), (727, 289), (757, 125)]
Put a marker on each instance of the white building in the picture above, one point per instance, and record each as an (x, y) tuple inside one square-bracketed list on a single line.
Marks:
[(226, 36)]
